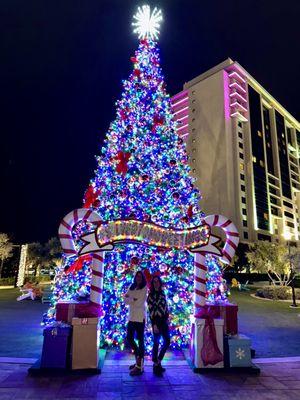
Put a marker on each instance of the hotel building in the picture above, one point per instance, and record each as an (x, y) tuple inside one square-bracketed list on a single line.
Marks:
[(244, 150)]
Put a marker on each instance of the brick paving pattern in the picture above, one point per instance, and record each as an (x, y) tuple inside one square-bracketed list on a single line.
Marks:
[(277, 381)]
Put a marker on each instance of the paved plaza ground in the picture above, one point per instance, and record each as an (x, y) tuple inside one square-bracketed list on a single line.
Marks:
[(278, 381)]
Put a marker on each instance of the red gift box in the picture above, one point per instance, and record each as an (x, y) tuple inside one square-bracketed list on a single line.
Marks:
[(65, 311), (228, 312)]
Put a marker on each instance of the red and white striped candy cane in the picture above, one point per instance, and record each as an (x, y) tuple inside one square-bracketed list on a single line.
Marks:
[(97, 278), (67, 224), (232, 235), (200, 269), (199, 280), (67, 243)]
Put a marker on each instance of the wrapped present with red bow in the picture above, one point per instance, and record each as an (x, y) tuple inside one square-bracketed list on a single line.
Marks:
[(206, 345), (67, 310), (229, 313)]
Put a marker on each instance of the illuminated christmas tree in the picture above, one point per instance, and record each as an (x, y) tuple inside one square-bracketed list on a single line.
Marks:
[(143, 173)]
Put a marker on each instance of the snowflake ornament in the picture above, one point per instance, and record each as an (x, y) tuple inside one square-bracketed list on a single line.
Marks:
[(240, 353), (146, 23)]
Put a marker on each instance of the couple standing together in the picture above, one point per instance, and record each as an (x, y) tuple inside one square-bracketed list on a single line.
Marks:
[(136, 298)]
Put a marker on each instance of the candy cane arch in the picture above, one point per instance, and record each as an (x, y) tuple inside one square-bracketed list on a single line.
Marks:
[(68, 246), (228, 251)]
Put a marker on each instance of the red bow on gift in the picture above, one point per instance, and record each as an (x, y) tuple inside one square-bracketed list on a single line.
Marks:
[(122, 166), (78, 264), (210, 352)]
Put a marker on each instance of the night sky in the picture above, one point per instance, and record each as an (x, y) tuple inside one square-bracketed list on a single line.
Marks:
[(61, 66)]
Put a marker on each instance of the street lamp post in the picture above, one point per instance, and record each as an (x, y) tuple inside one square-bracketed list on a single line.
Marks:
[(287, 235)]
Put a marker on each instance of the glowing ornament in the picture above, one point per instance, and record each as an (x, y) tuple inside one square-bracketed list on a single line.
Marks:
[(146, 24)]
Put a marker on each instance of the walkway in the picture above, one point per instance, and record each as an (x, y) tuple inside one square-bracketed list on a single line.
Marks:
[(278, 380)]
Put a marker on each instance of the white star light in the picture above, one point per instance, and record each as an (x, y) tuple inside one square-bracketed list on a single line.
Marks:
[(240, 353), (146, 24)]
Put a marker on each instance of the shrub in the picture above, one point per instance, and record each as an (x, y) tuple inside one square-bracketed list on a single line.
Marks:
[(7, 281), (277, 292)]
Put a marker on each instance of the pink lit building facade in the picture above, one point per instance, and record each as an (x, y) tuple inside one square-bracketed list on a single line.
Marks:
[(244, 150)]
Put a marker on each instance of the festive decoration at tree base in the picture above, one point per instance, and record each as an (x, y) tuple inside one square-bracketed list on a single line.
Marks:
[(66, 311), (85, 343), (56, 346), (238, 351), (228, 312), (206, 346)]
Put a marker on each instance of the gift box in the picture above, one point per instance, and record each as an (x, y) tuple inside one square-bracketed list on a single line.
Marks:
[(206, 345), (238, 349), (56, 347), (228, 312), (67, 310), (85, 343)]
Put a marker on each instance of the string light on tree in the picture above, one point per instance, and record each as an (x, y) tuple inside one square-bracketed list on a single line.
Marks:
[(22, 265), (147, 24)]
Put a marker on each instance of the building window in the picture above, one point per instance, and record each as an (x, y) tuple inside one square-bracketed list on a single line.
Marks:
[(259, 133), (242, 176), (242, 156), (245, 235), (194, 140), (287, 204), (261, 163), (243, 188), (266, 216), (245, 224), (241, 166), (240, 135), (194, 170), (193, 119), (241, 145), (244, 200), (193, 101), (261, 236), (193, 160), (240, 124), (288, 214), (244, 211)]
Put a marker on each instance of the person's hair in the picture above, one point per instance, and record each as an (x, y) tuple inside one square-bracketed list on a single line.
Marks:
[(152, 290), (135, 285)]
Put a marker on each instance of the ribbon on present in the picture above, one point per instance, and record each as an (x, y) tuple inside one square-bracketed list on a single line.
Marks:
[(210, 352), (90, 310), (192, 344)]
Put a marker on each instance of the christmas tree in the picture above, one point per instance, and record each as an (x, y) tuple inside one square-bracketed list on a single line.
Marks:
[(142, 173)]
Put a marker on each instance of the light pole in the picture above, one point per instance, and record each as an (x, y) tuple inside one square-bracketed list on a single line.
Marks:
[(287, 235)]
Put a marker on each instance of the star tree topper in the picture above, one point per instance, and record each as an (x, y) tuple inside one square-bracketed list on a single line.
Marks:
[(146, 23)]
